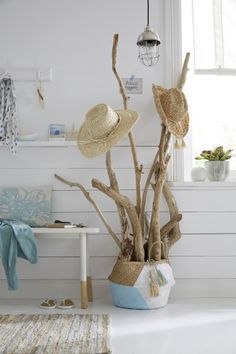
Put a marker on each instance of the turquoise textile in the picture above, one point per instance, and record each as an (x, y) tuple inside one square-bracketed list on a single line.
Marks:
[(16, 240)]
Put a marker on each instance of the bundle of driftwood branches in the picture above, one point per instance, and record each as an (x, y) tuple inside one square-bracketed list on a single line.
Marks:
[(142, 237)]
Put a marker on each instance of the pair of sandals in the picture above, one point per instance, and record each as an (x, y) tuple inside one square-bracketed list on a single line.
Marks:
[(65, 304)]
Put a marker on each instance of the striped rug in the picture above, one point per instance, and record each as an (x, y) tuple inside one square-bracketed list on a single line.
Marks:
[(55, 334)]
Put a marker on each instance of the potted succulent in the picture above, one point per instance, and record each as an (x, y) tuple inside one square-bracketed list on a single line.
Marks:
[(216, 163), (142, 276)]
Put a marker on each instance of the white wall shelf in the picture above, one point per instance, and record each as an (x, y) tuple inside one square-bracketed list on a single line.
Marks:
[(63, 143), (28, 74), (45, 143)]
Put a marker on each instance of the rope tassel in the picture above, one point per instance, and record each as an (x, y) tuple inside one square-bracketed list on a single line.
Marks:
[(154, 290), (180, 144), (161, 280)]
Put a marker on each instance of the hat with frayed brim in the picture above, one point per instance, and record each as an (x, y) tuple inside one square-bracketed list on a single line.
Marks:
[(172, 107), (104, 128)]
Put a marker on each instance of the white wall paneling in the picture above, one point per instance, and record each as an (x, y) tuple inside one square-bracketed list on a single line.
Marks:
[(71, 158), (103, 245), (203, 260), (199, 267)]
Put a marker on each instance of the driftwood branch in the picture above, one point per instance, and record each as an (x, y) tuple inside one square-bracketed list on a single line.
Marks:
[(170, 225), (114, 185), (175, 233), (171, 230), (145, 191), (137, 167), (154, 241), (138, 172), (132, 213), (183, 75), (121, 85), (88, 197), (148, 181)]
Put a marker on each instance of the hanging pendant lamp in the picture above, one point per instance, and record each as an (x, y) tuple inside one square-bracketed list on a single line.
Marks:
[(148, 43)]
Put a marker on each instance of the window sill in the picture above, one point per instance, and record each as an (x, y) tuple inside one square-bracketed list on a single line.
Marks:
[(227, 185)]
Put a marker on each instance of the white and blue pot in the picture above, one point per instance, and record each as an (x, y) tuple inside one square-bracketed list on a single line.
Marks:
[(141, 286)]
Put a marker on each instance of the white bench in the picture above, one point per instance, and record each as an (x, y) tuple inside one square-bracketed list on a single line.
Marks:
[(86, 293)]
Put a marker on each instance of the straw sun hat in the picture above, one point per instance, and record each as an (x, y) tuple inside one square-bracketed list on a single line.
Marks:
[(104, 128), (172, 107)]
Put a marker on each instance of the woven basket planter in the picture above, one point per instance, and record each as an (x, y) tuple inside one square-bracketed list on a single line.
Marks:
[(143, 286)]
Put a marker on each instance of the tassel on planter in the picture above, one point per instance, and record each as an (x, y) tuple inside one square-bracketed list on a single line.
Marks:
[(154, 290)]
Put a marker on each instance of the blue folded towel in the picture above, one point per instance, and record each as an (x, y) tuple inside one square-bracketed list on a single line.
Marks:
[(16, 240)]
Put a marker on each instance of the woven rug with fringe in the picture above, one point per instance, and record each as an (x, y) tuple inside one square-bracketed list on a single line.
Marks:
[(55, 334)]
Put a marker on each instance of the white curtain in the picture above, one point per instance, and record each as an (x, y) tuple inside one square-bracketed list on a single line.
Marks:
[(214, 36)]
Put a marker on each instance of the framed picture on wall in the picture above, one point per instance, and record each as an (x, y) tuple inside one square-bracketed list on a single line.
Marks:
[(57, 132)]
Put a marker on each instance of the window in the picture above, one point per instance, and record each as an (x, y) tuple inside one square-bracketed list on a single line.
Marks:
[(208, 31)]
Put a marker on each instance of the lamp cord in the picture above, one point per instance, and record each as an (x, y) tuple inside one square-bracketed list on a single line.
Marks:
[(147, 12)]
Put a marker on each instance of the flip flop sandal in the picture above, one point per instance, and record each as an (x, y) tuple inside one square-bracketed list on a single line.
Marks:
[(48, 304), (66, 304)]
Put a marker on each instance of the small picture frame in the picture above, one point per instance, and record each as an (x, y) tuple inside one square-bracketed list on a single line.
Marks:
[(57, 132), (133, 85)]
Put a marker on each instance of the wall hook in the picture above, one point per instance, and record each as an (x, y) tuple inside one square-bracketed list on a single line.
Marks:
[(40, 89)]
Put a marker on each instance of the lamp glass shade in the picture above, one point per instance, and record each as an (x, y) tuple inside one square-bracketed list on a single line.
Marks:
[(148, 54)]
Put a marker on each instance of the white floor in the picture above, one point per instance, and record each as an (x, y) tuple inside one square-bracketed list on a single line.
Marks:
[(196, 326)]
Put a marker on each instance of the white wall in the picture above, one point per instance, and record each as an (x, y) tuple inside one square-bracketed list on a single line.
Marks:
[(75, 39)]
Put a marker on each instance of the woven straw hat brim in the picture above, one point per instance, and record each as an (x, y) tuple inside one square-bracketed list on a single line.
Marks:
[(157, 92), (92, 148), (178, 128)]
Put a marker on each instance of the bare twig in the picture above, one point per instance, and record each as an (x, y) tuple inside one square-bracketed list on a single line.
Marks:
[(88, 197)]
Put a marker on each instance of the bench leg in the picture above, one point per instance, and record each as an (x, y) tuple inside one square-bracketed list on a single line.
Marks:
[(89, 279), (90, 289), (83, 272), (83, 295)]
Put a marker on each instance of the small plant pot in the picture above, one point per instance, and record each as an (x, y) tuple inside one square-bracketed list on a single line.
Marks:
[(141, 286), (217, 170)]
